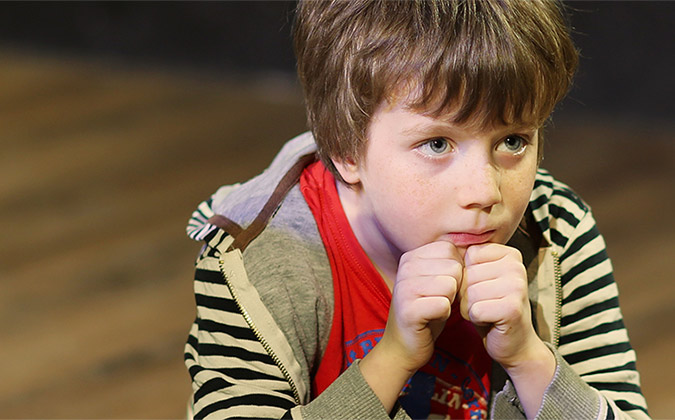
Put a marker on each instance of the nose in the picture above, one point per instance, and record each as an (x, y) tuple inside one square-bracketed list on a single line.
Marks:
[(480, 187)]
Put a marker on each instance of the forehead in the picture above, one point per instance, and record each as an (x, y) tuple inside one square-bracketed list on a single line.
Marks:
[(432, 119), (470, 109)]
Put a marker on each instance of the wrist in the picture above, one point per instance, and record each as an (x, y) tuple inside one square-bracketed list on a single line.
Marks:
[(386, 376), (532, 375), (537, 360)]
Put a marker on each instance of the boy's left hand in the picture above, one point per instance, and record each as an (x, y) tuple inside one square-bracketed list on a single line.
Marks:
[(494, 297)]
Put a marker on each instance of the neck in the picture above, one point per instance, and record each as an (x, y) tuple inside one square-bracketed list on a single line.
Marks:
[(365, 227)]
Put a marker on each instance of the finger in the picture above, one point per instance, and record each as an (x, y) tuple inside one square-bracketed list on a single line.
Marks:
[(414, 267), (431, 308), (511, 270), (486, 290), (496, 311), (475, 290), (483, 253), (428, 286), (437, 249)]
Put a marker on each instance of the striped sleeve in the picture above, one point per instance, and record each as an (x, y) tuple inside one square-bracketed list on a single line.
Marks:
[(593, 339), (232, 374)]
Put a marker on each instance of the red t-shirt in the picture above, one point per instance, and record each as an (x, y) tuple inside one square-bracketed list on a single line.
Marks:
[(455, 383)]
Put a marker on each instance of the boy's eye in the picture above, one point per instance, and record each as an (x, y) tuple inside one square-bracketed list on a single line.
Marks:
[(435, 146), (513, 144)]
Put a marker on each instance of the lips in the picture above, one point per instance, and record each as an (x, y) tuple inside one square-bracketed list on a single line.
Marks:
[(468, 239)]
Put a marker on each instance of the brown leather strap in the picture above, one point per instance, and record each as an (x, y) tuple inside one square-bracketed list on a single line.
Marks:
[(242, 237), (226, 224)]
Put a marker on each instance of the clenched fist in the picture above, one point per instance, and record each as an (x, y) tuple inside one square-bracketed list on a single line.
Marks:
[(427, 281)]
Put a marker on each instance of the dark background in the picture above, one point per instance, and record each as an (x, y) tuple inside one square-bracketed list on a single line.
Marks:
[(627, 48)]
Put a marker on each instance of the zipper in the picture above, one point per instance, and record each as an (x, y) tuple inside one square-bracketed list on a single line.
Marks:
[(260, 338), (557, 274)]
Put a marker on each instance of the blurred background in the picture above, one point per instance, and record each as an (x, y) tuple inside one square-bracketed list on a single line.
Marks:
[(118, 118)]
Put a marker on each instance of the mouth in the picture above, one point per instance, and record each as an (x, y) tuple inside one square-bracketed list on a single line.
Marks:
[(465, 239)]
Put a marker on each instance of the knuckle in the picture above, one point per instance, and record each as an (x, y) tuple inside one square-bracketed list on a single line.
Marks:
[(406, 258), (452, 285), (405, 312), (405, 288), (515, 254), (456, 268), (518, 284), (513, 308), (403, 270), (436, 304), (470, 295), (470, 254), (475, 311), (521, 288), (449, 285)]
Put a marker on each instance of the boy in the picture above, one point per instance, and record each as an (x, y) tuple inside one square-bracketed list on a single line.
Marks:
[(423, 267)]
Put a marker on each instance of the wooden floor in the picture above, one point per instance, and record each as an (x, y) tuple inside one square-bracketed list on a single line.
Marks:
[(101, 166)]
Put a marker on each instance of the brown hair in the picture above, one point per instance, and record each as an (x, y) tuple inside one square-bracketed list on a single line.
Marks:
[(507, 61)]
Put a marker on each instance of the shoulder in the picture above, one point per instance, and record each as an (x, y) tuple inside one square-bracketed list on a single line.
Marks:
[(290, 246), (558, 210), (567, 223)]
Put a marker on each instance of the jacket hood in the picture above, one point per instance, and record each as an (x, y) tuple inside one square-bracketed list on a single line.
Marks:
[(243, 201)]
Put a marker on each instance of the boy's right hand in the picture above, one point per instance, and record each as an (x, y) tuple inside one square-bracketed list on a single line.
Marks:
[(426, 283)]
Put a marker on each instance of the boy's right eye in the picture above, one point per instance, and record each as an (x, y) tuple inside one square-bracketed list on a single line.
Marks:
[(436, 146)]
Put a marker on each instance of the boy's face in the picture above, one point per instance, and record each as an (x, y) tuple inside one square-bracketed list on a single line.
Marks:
[(423, 179)]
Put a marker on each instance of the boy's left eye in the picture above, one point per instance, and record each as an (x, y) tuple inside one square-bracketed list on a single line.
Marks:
[(513, 144)]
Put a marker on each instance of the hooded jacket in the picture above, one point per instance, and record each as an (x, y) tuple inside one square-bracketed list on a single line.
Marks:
[(263, 290)]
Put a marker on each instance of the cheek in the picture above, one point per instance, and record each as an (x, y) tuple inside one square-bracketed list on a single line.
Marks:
[(403, 201), (397, 183), (416, 194), (520, 190), (405, 210)]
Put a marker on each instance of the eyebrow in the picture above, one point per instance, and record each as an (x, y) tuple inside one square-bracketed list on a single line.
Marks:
[(427, 127), (435, 127)]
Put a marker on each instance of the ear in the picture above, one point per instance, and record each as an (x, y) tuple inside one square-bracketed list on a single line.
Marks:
[(348, 169)]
